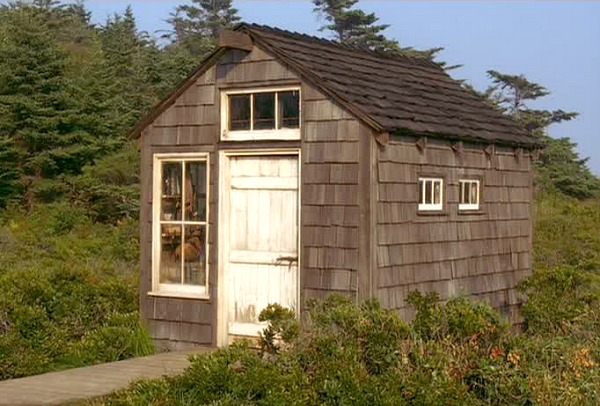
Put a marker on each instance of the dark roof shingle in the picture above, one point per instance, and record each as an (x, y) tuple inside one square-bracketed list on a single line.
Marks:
[(391, 93)]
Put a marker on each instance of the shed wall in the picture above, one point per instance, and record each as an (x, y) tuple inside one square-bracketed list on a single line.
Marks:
[(329, 190), (481, 255), (330, 204)]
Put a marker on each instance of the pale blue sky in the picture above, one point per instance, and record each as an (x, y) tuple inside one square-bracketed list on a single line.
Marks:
[(555, 43)]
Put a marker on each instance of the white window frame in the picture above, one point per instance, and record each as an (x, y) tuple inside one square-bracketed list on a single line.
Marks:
[(470, 205), (170, 289), (248, 135), (424, 206)]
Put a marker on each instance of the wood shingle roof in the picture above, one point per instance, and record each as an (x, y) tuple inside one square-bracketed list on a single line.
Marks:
[(390, 93)]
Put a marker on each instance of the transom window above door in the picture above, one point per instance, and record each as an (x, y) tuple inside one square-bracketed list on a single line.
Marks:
[(260, 114)]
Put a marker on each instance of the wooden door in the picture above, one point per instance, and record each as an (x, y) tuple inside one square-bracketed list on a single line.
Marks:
[(263, 239)]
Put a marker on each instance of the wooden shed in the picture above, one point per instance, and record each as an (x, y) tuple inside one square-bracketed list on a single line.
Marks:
[(288, 167)]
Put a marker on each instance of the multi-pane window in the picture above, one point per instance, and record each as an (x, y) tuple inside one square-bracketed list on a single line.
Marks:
[(431, 193), (262, 111), (469, 194), (181, 221)]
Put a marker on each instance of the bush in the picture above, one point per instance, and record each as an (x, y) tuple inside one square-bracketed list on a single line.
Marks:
[(564, 301), (566, 233), (458, 353), (68, 291)]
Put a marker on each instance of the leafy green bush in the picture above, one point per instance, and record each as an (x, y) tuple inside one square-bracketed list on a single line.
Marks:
[(459, 318), (458, 353), (68, 291), (563, 300), (566, 233)]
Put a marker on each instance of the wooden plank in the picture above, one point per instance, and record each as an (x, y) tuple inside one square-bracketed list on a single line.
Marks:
[(309, 93), (331, 236), (253, 72), (323, 110), (197, 95), (325, 194), (367, 231), (330, 152), (434, 252), (346, 216), (334, 130), (235, 40)]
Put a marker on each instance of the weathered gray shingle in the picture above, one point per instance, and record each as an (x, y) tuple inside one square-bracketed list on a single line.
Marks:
[(391, 93)]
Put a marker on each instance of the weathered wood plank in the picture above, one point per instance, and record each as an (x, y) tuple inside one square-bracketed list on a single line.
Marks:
[(330, 215), (330, 152), (323, 110), (334, 130), (253, 71)]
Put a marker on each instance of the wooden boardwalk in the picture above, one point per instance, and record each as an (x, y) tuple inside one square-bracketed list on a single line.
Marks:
[(79, 384)]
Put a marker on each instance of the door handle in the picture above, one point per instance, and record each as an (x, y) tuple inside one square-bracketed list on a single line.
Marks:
[(289, 260)]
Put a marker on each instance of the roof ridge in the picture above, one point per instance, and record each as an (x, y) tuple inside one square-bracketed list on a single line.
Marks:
[(420, 61)]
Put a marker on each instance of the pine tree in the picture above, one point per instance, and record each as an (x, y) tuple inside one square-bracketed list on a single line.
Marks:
[(125, 68), (196, 26), (356, 28), (38, 120), (560, 166)]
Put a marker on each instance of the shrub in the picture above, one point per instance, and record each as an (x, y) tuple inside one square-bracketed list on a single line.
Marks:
[(459, 319), (563, 300), (68, 291)]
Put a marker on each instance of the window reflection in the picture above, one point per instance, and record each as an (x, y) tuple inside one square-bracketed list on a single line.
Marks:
[(289, 109), (264, 111), (239, 112), (183, 219)]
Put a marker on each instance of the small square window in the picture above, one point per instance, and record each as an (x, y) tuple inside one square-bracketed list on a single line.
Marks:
[(469, 194), (431, 194)]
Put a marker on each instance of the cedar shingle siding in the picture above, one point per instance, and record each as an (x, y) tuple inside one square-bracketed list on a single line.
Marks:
[(361, 233)]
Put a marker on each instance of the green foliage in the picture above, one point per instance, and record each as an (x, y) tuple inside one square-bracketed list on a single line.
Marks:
[(38, 119), (69, 93), (283, 327), (109, 189), (458, 319), (358, 355), (354, 27), (68, 291), (566, 232), (562, 300), (560, 167), (196, 26)]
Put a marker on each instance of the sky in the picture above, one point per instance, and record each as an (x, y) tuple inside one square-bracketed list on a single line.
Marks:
[(553, 43)]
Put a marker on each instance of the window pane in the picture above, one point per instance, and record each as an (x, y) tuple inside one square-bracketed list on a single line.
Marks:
[(428, 192), (264, 111), (239, 112), (474, 193), (289, 109), (421, 191), (170, 253), (171, 191), (194, 256), (464, 192), (195, 191), (437, 192)]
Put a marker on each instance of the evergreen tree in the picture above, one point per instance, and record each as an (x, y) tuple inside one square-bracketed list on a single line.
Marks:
[(357, 28), (196, 26), (125, 68), (38, 116), (560, 166)]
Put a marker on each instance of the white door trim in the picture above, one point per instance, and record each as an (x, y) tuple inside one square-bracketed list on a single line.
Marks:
[(223, 226)]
